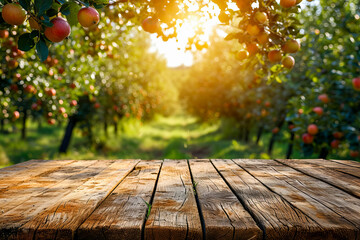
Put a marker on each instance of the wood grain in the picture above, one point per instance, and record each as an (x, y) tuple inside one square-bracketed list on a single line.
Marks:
[(278, 218), (347, 183), (354, 171), (123, 213), (338, 214), (22, 221), (67, 214), (17, 194), (14, 175), (348, 163), (174, 214), (224, 216)]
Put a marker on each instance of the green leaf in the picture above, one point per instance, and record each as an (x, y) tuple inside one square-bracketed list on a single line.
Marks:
[(42, 50), (101, 2), (34, 33), (42, 6), (65, 9), (25, 4), (98, 6), (26, 42), (72, 17)]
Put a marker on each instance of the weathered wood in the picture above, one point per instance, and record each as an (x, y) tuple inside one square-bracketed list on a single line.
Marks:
[(333, 165), (14, 175), (346, 182), (174, 214), (348, 162), (12, 220), (224, 216), (122, 214), (22, 221), (17, 194), (339, 215), (277, 217), (67, 214)]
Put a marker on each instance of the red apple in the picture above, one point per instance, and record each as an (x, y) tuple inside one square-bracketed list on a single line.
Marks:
[(253, 30), (356, 83), (324, 98), (59, 31), (16, 115), (4, 33), (29, 89), (13, 14), (288, 62), (241, 55), (354, 154), (276, 130), (88, 17), (261, 17), (287, 3), (12, 64), (73, 103), (338, 135), (312, 129), (318, 110), (335, 143), (51, 92), (307, 138), (51, 121), (97, 105), (291, 46), (275, 56), (151, 25), (62, 110), (34, 106)]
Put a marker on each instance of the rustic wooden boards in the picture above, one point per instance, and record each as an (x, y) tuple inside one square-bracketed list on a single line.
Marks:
[(174, 214), (180, 199), (224, 216), (123, 213), (339, 214), (340, 179)]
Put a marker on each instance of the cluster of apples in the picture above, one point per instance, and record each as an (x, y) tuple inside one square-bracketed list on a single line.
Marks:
[(261, 37), (14, 14)]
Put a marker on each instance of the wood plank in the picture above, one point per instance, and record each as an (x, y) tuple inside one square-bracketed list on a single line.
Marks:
[(66, 215), (348, 162), (20, 173), (337, 212), (16, 195), (224, 216), (347, 183), (332, 165), (122, 214), (277, 217), (174, 214), (12, 223)]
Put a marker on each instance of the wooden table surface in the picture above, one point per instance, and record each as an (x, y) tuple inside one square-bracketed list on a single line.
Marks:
[(180, 199)]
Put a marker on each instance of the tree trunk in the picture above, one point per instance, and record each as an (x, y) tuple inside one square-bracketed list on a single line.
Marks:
[(23, 130), (2, 124), (39, 124), (90, 135), (258, 135), (115, 128), (324, 152), (291, 145), (68, 133)]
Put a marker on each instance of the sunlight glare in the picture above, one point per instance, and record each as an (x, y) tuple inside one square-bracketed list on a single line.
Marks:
[(174, 50)]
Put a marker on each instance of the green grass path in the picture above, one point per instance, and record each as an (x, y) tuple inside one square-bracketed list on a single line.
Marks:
[(173, 137)]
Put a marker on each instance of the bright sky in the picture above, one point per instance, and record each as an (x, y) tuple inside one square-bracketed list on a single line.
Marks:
[(174, 49)]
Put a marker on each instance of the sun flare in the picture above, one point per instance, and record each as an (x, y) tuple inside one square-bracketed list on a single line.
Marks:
[(195, 28)]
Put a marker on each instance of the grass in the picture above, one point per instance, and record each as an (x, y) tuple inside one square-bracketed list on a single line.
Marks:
[(174, 137)]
